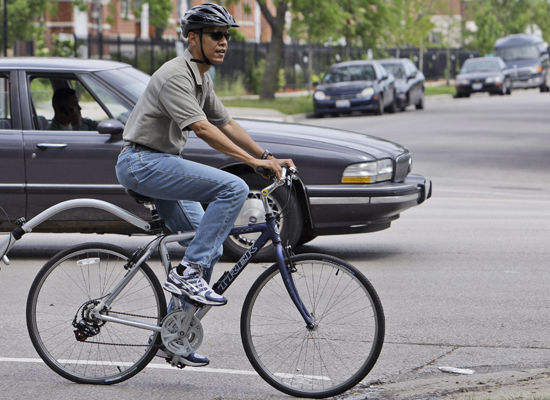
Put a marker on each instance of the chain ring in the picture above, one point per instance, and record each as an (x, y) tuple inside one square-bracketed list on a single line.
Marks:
[(178, 340)]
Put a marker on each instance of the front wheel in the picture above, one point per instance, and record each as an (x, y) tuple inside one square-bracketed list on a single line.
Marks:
[(77, 346), (329, 359)]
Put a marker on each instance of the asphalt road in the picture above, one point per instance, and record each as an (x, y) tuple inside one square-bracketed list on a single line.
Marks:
[(463, 278)]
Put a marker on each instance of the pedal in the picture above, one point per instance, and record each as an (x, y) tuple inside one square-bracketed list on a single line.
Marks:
[(174, 362)]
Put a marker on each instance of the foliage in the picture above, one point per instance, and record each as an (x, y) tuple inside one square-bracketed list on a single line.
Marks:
[(497, 18), (25, 19), (410, 22), (488, 30), (159, 12)]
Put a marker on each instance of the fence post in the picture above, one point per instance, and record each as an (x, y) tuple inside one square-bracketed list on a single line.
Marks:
[(118, 55)]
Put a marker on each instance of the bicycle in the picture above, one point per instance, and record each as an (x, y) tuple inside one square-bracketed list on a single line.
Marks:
[(311, 325)]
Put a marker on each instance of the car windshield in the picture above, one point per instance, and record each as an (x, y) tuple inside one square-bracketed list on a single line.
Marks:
[(517, 53), (350, 73), (396, 69), (129, 81), (480, 66)]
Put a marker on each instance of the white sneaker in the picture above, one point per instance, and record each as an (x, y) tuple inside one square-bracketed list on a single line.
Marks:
[(193, 285)]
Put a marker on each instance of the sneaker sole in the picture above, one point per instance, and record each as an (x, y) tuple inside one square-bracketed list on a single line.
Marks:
[(199, 299)]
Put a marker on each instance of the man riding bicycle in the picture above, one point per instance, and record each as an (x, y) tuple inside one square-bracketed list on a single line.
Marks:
[(180, 98)]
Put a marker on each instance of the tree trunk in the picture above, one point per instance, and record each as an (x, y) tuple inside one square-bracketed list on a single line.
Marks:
[(270, 80)]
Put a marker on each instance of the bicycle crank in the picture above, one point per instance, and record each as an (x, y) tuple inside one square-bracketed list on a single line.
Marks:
[(181, 333)]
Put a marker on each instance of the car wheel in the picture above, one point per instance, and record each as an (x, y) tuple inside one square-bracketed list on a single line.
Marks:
[(290, 224), (509, 87), (420, 104), (380, 109), (392, 108), (544, 88)]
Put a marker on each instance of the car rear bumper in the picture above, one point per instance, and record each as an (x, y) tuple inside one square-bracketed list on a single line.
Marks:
[(364, 208), (485, 87)]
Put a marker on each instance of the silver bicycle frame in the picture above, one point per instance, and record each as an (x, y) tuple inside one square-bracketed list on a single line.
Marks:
[(8, 242)]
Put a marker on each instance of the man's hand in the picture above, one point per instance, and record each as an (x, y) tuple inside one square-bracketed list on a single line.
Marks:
[(274, 165)]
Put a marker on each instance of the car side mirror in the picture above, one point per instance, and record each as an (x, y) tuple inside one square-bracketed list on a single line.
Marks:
[(110, 127)]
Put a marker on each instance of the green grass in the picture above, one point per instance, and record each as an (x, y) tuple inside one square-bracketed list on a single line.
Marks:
[(286, 105), (433, 90), (304, 104)]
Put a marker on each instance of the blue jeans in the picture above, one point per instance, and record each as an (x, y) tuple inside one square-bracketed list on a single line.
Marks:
[(180, 186)]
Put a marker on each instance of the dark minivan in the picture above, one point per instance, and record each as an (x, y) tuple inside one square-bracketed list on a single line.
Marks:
[(527, 58)]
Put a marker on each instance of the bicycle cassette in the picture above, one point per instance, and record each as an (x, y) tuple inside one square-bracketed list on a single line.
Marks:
[(178, 338)]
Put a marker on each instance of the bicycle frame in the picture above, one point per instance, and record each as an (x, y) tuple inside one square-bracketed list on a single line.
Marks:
[(268, 230)]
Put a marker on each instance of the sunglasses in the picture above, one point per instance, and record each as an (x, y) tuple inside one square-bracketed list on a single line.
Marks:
[(217, 36)]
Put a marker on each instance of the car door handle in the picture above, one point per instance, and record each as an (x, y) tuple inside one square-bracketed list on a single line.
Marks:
[(51, 145)]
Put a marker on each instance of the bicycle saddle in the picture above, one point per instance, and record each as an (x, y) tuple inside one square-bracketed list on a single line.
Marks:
[(141, 199)]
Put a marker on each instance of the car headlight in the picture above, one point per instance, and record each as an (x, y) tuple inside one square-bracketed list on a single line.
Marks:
[(463, 82), (368, 172), (493, 79), (536, 69), (319, 95), (367, 92)]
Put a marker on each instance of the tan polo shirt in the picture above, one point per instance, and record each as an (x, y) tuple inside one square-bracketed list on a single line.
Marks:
[(175, 97)]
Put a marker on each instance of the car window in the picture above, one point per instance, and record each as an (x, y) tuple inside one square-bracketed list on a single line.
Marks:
[(64, 103), (480, 66), (129, 81), (396, 69), (518, 52), (350, 73), (5, 111), (117, 108)]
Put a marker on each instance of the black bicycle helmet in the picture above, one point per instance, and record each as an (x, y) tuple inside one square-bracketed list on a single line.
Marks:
[(205, 15)]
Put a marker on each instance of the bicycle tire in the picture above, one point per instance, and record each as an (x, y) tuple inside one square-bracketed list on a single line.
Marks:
[(59, 294), (333, 357)]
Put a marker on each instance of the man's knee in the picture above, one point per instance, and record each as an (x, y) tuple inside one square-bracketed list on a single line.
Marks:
[(239, 188)]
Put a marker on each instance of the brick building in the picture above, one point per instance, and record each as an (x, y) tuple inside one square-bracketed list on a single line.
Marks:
[(116, 18)]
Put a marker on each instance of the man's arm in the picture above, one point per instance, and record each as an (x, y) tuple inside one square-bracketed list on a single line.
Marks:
[(236, 133), (238, 144)]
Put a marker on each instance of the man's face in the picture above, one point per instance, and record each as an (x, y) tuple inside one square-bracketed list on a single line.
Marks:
[(214, 43), (73, 111)]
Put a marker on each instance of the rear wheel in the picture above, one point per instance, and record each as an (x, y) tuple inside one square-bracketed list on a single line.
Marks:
[(78, 346), (328, 359), (290, 223)]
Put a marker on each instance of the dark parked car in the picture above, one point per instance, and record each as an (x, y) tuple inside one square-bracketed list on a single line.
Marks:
[(483, 74), (527, 58), (349, 182), (409, 82), (355, 86)]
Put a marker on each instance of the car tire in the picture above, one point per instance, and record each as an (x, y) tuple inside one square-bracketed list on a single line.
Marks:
[(380, 109), (420, 104), (509, 87), (290, 224), (392, 108)]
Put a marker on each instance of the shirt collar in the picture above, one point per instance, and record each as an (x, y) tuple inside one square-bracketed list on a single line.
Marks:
[(193, 65)]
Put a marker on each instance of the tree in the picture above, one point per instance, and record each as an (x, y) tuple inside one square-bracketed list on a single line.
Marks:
[(275, 54), (159, 13), (411, 24), (314, 21), (25, 19), (363, 22), (488, 30)]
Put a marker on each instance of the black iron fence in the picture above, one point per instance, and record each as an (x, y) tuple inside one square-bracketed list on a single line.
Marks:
[(244, 61)]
